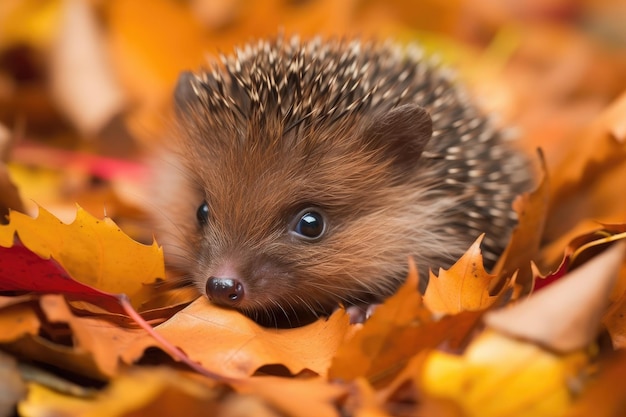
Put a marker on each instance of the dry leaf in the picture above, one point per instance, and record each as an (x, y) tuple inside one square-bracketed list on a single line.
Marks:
[(228, 343), (387, 339), (139, 392), (9, 195), (28, 21), (311, 397), (566, 315), (12, 387), (94, 252), (527, 236), (399, 329), (465, 286), (606, 394), (501, 376), (54, 335)]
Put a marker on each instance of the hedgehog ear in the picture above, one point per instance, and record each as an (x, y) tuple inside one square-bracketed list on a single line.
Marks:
[(184, 93), (402, 133)]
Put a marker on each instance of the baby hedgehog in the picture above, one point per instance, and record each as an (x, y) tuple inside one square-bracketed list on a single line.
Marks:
[(304, 174)]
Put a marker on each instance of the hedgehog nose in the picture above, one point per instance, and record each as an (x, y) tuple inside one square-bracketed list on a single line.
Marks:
[(227, 292)]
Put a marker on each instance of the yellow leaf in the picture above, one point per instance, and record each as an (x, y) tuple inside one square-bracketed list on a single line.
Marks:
[(140, 392), (499, 376), (94, 252)]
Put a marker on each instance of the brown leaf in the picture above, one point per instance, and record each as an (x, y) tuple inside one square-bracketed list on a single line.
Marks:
[(399, 329), (9, 195), (526, 239), (96, 345), (387, 339), (605, 396), (566, 315), (592, 168)]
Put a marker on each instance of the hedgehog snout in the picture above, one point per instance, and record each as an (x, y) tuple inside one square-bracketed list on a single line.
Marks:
[(225, 287), (225, 291)]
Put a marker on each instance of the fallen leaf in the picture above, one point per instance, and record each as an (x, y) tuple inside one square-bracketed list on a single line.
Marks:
[(12, 387), (387, 339), (465, 286), (502, 376), (138, 392), (30, 22), (228, 343), (399, 329), (566, 315), (94, 252), (311, 397), (9, 195), (605, 396), (592, 168), (94, 347), (526, 238)]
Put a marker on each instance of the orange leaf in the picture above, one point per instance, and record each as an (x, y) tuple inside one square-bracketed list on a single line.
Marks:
[(525, 241), (387, 338), (311, 397), (227, 343), (465, 286), (96, 348), (398, 330)]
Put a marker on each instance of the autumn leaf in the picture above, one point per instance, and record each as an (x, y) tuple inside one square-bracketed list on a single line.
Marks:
[(387, 339), (228, 343), (94, 252), (576, 303), (399, 329), (465, 286), (525, 242), (501, 376), (144, 392)]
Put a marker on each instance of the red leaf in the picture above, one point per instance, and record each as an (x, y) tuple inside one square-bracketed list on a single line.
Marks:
[(24, 270)]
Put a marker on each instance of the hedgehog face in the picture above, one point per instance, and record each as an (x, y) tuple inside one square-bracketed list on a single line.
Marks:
[(277, 218)]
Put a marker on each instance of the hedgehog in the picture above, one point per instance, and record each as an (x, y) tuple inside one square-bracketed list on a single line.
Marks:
[(302, 175)]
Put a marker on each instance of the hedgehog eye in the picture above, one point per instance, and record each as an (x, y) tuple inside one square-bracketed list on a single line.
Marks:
[(203, 213), (309, 224)]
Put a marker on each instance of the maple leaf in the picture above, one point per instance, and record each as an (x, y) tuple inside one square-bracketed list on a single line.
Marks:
[(399, 329), (94, 252), (465, 286)]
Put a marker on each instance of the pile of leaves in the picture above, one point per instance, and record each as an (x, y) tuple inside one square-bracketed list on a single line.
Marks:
[(90, 326)]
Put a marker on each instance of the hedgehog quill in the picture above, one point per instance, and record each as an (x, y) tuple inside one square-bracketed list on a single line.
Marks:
[(305, 173)]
